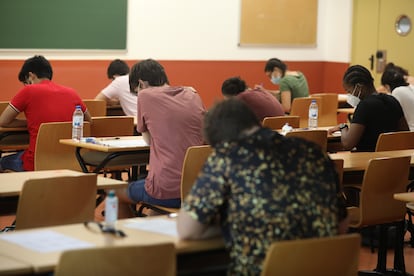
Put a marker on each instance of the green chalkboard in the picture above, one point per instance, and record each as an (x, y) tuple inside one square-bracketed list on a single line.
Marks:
[(63, 24)]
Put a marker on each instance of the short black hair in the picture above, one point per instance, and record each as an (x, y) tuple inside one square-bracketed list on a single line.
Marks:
[(275, 62), (227, 120), (38, 65), (147, 70), (393, 77), (233, 86), (117, 67)]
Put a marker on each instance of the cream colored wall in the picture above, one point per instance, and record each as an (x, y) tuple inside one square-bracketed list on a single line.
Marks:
[(209, 30)]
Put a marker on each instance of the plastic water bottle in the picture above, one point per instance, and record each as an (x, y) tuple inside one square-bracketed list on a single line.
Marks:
[(111, 210), (313, 115), (77, 123)]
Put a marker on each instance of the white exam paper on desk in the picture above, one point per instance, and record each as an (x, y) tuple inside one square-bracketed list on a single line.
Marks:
[(45, 241), (122, 143), (161, 226)]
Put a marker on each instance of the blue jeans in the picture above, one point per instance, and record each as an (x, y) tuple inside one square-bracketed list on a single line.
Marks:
[(12, 162), (137, 193)]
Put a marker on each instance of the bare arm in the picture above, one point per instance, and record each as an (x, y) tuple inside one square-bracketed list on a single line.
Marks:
[(285, 100), (101, 96), (349, 136), (8, 118), (190, 229)]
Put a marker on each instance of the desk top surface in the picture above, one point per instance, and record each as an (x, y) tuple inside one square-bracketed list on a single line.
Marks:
[(11, 266), (109, 144), (42, 262), (358, 161), (12, 183)]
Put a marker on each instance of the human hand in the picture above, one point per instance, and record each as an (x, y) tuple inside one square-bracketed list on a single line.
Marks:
[(259, 87), (333, 129)]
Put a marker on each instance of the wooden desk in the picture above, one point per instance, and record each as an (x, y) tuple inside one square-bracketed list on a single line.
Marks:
[(45, 262), (358, 161), (13, 139), (11, 266), (12, 183), (133, 145)]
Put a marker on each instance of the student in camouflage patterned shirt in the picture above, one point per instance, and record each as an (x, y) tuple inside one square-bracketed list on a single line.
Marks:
[(258, 187)]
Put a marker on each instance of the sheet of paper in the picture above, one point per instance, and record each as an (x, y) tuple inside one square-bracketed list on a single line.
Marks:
[(122, 143), (45, 241), (161, 226)]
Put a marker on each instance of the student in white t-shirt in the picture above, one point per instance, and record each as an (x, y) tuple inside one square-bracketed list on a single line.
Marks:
[(394, 80), (118, 89)]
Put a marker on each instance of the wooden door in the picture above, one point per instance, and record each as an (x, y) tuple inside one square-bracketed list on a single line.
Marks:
[(374, 32)]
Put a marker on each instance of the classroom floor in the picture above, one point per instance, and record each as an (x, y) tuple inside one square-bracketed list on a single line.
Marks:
[(367, 260)]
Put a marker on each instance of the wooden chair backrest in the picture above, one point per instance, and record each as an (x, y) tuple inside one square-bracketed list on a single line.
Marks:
[(96, 108), (337, 255), (56, 201), (155, 259), (328, 114), (318, 136), (194, 160), (382, 179), (278, 122), (398, 140), (112, 126), (50, 154), (300, 107)]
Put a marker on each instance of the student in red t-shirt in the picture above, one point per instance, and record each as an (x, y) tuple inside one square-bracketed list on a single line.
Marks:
[(42, 101)]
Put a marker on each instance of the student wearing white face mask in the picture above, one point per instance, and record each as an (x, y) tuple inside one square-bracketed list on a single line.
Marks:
[(292, 84), (375, 113)]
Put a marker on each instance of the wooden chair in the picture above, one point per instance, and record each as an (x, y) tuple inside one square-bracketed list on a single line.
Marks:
[(50, 154), (337, 255), (398, 140), (318, 136), (300, 107), (55, 201), (328, 116), (95, 107), (382, 179), (278, 122), (155, 259), (194, 160)]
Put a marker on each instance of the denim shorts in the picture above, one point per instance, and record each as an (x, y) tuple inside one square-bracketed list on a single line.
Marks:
[(137, 193), (12, 162)]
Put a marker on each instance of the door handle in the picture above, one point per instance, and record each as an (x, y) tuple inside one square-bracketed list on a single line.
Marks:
[(371, 59)]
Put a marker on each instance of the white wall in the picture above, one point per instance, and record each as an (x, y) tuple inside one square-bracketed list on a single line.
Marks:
[(209, 30)]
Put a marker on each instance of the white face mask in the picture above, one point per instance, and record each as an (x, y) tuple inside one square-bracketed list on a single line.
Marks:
[(353, 100)]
